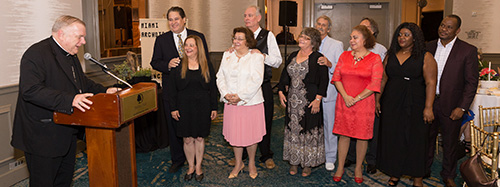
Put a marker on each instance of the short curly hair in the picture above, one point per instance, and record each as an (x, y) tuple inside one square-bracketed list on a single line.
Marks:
[(367, 35), (315, 36), (250, 41)]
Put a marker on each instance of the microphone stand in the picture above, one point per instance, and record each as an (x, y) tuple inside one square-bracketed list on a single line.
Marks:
[(114, 76)]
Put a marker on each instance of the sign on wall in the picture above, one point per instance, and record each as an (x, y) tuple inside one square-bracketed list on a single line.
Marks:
[(150, 29)]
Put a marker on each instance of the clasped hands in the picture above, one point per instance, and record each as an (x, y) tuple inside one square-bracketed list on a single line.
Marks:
[(233, 99), (82, 103), (350, 101)]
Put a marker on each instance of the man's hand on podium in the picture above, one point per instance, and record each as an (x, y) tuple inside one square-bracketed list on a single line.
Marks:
[(81, 102), (113, 90)]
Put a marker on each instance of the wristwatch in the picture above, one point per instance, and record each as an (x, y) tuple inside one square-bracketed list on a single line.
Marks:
[(463, 110)]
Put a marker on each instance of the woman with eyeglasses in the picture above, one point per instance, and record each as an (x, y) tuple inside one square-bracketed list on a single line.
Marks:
[(357, 76), (302, 85), (239, 80)]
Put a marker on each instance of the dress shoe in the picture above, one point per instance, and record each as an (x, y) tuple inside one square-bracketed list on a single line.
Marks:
[(253, 175), (231, 175), (270, 164), (348, 163), (358, 180), (449, 182), (329, 166), (338, 179), (198, 177), (371, 169), (188, 177), (175, 167)]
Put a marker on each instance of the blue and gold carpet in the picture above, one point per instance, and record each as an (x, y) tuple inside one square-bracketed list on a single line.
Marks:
[(152, 167)]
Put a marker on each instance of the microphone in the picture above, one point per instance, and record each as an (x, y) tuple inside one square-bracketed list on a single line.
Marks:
[(88, 56)]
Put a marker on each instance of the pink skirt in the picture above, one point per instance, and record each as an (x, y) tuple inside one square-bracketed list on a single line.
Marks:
[(244, 125)]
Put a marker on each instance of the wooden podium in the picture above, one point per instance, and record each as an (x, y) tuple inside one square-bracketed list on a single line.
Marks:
[(109, 128)]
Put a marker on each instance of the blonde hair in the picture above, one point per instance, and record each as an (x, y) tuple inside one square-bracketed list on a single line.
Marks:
[(202, 59), (65, 21)]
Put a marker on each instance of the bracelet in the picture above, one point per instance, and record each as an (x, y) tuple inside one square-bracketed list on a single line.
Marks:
[(318, 99), (359, 98)]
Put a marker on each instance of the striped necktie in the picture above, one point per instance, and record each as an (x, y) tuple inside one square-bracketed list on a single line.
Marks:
[(180, 48)]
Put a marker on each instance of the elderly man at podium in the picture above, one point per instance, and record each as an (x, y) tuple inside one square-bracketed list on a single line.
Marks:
[(52, 79)]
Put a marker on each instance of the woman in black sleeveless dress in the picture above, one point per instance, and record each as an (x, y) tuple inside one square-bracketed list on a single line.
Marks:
[(408, 91)]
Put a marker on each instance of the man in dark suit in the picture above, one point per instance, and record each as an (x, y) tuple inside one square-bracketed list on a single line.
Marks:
[(51, 79), (456, 88), (167, 55)]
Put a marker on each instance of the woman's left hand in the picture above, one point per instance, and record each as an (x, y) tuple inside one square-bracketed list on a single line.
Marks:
[(314, 106), (428, 115), (213, 115)]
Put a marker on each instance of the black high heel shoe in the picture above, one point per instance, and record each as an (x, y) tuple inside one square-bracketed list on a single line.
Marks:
[(188, 177), (198, 177)]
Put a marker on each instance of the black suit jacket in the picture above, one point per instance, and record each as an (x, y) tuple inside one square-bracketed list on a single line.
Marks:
[(459, 78), (165, 50), (46, 84)]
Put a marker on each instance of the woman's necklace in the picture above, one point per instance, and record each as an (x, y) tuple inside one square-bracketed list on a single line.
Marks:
[(356, 60)]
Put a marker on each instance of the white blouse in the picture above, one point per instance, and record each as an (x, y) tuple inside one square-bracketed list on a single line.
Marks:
[(243, 77)]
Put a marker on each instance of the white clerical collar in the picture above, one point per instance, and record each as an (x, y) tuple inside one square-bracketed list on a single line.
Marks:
[(60, 46)]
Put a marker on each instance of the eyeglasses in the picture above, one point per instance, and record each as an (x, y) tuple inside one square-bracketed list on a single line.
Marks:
[(239, 39)]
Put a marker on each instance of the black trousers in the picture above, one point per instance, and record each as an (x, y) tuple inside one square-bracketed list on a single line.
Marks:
[(176, 143), (450, 131), (265, 144), (371, 153), (52, 171)]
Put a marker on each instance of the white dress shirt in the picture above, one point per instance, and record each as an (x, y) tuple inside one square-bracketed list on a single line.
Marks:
[(184, 35), (243, 77), (441, 56), (272, 59), (331, 49)]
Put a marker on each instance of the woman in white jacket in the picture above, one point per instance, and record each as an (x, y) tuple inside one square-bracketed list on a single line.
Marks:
[(239, 81)]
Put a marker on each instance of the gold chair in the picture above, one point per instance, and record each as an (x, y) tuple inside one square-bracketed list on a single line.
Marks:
[(486, 143), (489, 118)]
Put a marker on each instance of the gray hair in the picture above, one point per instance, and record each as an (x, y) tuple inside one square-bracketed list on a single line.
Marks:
[(257, 10), (327, 19), (65, 21)]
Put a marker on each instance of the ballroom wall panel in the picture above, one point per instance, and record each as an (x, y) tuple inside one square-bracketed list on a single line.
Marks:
[(215, 18)]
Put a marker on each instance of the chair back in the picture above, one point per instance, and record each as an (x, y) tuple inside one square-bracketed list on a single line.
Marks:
[(489, 118), (486, 143)]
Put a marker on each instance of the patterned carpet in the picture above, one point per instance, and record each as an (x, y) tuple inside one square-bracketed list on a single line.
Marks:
[(152, 167)]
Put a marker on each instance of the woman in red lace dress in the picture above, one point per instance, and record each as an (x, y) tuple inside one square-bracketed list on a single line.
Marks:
[(357, 76)]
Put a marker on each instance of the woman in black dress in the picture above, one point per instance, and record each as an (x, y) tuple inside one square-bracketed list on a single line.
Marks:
[(408, 90), (193, 102)]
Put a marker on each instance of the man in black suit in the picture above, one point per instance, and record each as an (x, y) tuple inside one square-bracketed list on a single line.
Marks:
[(167, 55), (51, 79), (456, 88)]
